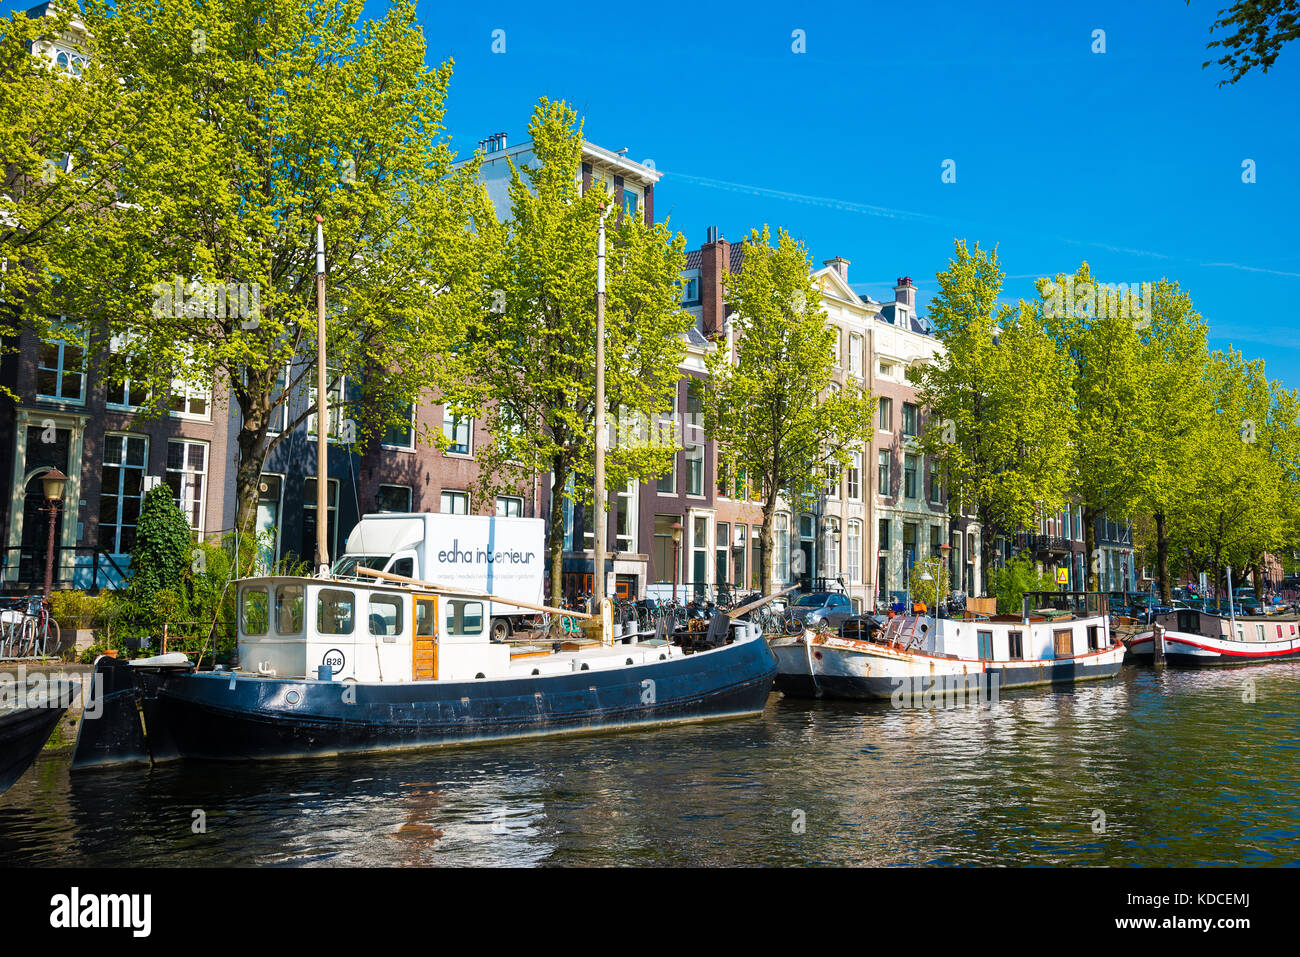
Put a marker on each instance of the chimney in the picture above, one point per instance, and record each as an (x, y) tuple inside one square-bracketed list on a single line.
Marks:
[(905, 292), (715, 262), (840, 265)]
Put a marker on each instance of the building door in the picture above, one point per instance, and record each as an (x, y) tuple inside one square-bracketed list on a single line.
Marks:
[(424, 646), (42, 455)]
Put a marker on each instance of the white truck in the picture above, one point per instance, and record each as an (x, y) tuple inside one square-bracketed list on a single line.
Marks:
[(504, 556)]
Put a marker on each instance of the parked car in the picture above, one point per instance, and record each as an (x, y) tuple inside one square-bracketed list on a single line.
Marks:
[(828, 606)]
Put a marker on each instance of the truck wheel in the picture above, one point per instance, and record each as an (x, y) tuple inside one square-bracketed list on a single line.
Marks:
[(500, 629)]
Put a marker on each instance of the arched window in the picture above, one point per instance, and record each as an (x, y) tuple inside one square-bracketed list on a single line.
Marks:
[(854, 559)]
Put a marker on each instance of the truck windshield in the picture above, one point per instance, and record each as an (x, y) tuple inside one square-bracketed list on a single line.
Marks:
[(346, 567)]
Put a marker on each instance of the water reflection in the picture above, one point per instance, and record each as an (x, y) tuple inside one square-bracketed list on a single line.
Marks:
[(1172, 768)]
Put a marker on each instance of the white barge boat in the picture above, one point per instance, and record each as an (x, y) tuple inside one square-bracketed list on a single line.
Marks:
[(1188, 637), (983, 654)]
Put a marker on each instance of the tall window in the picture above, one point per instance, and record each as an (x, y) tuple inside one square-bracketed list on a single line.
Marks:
[(853, 480), (509, 506), (459, 430), (909, 476), (909, 549), (935, 486), (695, 470), (454, 503), (625, 519), (308, 545), (668, 481), (402, 436), (60, 371), (832, 483), (334, 400), (663, 546), (756, 556), (187, 469), (121, 390), (122, 490), (190, 401), (782, 547), (910, 419), (855, 552), (884, 534), (855, 355), (884, 479), (393, 498), (885, 420), (831, 549), (738, 540)]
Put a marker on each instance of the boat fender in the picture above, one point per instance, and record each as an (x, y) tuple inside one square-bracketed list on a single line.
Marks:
[(537, 671), (663, 657), (629, 661), (480, 675), (584, 667)]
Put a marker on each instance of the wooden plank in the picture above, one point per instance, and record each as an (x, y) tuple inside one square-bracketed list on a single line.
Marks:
[(470, 593)]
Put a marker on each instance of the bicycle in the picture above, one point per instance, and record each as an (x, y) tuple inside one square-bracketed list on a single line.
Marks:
[(30, 633)]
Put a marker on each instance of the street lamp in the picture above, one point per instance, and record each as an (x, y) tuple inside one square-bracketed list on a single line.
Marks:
[(677, 547), (53, 484)]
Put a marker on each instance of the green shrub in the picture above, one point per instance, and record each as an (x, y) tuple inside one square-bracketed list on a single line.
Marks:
[(76, 609), (1018, 576)]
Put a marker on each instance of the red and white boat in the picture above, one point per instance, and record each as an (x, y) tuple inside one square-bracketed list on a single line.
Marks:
[(1193, 637)]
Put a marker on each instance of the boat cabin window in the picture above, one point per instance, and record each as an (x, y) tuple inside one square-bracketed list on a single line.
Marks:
[(288, 610), (1188, 622), (254, 611), (404, 566), (1063, 642), (425, 617), (985, 639), (386, 616), (1016, 645), (464, 617), (1259, 632), (335, 611), (1094, 637)]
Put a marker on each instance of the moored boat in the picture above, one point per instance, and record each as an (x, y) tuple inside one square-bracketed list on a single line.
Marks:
[(335, 665), (28, 714), (1190, 638), (917, 654)]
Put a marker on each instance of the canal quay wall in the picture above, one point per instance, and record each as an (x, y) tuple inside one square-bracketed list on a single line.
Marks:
[(21, 673)]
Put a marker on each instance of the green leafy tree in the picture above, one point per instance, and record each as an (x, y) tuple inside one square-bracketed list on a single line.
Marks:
[(525, 361), (69, 133), (773, 407), (273, 117), (928, 591), (1176, 363), (1116, 404), (1252, 33), (998, 400)]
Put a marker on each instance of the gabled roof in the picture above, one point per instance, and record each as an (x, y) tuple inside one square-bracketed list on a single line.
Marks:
[(694, 257)]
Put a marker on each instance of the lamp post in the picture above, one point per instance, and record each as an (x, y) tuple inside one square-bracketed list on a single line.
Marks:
[(53, 484), (677, 547)]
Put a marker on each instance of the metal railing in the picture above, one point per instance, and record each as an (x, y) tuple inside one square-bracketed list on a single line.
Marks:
[(84, 567)]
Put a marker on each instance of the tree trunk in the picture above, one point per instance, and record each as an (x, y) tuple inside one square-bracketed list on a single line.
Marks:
[(766, 538), (248, 472), (988, 536), (1090, 547), (555, 537), (1162, 557)]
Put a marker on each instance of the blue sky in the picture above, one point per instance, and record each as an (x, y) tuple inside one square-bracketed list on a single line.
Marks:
[(1130, 159)]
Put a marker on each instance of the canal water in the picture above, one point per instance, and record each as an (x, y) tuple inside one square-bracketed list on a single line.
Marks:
[(1161, 769)]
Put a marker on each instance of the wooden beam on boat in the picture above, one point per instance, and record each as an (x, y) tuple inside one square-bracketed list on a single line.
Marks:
[(760, 602), (470, 593)]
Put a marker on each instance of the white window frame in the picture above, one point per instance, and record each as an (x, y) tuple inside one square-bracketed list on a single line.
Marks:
[(143, 469), (503, 500), (451, 423), (443, 497), (410, 494), (60, 370), (186, 482)]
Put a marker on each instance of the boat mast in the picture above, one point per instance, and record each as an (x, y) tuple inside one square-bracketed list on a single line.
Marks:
[(1232, 605), (322, 412), (598, 480)]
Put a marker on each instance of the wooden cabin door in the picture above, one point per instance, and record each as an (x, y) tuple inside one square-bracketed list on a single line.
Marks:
[(424, 645)]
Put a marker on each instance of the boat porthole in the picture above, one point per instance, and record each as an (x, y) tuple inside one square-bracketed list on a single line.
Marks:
[(584, 667), (537, 671), (663, 657), (480, 675), (629, 661), (817, 655), (291, 697)]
